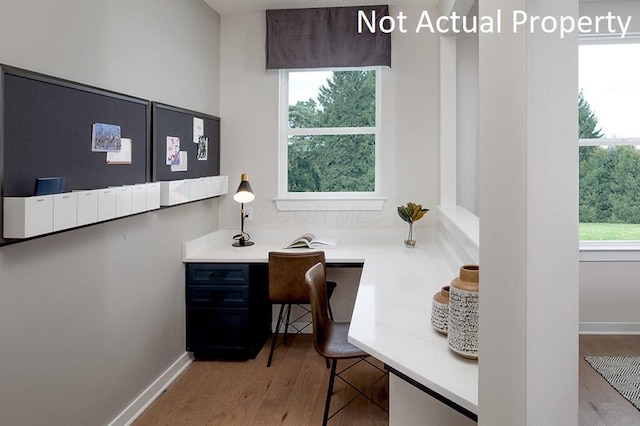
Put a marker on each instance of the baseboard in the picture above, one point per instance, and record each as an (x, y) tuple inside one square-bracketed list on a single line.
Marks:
[(609, 328), (144, 400)]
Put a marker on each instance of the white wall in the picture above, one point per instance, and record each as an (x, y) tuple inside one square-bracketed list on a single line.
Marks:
[(529, 240), (90, 317), (609, 294), (621, 8), (249, 101), (467, 120)]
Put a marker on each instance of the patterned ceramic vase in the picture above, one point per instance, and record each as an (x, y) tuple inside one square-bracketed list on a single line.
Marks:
[(463, 312), (440, 310)]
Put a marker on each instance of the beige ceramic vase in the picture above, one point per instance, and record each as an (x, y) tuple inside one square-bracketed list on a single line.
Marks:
[(440, 310), (463, 312)]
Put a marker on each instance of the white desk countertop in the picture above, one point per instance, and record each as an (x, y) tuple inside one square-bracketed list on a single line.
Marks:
[(391, 316)]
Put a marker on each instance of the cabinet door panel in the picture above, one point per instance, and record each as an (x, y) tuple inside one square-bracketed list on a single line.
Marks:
[(217, 329)]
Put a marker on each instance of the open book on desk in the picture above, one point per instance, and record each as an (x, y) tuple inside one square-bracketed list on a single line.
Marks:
[(313, 242)]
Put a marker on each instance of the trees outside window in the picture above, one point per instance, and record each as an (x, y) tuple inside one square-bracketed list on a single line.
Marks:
[(331, 131)]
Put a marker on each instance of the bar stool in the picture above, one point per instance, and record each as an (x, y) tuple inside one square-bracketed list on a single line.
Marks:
[(330, 340), (287, 287)]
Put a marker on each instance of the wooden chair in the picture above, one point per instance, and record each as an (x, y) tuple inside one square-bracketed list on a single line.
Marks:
[(330, 340), (287, 287)]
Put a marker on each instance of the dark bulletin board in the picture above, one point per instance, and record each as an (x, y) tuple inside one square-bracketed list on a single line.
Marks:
[(47, 132), (178, 122)]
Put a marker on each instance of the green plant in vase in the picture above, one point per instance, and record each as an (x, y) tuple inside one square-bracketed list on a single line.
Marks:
[(411, 213)]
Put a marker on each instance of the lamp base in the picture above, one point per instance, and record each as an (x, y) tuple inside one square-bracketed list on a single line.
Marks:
[(243, 243)]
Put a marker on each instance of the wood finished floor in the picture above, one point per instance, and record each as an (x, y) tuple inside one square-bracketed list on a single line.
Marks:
[(601, 404), (291, 392)]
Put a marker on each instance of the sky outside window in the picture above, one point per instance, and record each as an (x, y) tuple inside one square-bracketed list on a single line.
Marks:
[(610, 79), (305, 85)]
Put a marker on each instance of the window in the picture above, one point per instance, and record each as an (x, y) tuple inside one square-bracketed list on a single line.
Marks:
[(609, 153), (329, 134)]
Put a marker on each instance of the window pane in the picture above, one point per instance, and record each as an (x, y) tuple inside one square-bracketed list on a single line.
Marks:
[(609, 193), (332, 99), (331, 163), (610, 82)]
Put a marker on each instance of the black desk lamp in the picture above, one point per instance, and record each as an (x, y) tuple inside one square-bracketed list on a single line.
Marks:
[(244, 194)]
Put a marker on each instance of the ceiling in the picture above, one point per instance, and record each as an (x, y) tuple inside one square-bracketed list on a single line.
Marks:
[(230, 7)]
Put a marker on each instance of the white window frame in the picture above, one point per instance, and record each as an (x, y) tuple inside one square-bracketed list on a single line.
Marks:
[(460, 223), (608, 250), (314, 201)]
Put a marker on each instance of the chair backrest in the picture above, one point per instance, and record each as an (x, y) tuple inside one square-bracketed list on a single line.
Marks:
[(317, 285), (286, 275)]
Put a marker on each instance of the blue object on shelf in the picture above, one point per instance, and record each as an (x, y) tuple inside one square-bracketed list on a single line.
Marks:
[(49, 185)]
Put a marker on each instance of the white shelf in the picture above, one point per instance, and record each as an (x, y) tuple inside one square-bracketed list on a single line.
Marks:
[(176, 192), (26, 217)]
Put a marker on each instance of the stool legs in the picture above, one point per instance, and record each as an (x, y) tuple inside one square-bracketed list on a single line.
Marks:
[(327, 404), (286, 321), (361, 391), (275, 335)]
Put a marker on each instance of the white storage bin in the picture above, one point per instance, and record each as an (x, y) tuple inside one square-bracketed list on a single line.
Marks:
[(210, 186), (224, 184), (173, 192), (123, 200), (106, 204), (138, 198), (65, 211), (26, 217), (87, 207), (185, 191), (195, 190), (202, 187), (153, 195)]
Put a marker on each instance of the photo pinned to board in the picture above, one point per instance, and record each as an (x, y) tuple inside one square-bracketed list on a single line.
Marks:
[(173, 151), (105, 137), (203, 148)]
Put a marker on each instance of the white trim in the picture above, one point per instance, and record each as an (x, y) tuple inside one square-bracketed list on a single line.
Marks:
[(610, 328), (448, 122), (609, 251), (283, 127), (365, 203), (608, 141), (464, 226), (610, 38), (331, 131), (452, 252), (150, 394)]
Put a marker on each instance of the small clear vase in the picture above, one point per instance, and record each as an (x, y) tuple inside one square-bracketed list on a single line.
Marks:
[(410, 242)]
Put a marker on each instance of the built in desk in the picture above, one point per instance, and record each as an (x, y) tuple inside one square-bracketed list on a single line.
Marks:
[(391, 319)]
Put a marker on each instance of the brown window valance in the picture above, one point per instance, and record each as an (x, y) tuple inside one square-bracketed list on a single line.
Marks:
[(325, 37)]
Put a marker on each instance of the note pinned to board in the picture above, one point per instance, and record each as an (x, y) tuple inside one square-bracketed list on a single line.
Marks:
[(123, 156), (198, 129), (182, 167)]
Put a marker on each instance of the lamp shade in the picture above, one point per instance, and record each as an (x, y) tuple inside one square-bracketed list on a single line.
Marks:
[(244, 194)]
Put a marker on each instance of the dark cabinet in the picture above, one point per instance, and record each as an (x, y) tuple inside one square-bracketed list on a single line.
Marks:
[(227, 308)]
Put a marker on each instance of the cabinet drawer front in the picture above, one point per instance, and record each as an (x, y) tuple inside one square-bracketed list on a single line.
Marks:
[(217, 273), (209, 329), (215, 296)]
